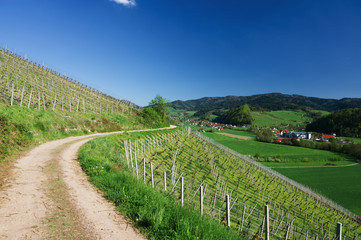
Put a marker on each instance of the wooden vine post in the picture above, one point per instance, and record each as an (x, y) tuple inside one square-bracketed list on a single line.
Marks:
[(182, 191), (243, 214), (151, 173), (144, 172), (12, 95), (339, 231), (165, 181), (266, 210), (228, 213), (31, 93), (201, 200)]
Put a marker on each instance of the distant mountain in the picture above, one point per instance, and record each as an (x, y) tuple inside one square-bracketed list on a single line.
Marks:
[(270, 101)]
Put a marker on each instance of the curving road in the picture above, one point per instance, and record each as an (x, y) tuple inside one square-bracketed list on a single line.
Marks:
[(47, 195)]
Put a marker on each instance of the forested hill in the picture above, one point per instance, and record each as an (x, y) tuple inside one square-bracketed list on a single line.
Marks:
[(345, 122), (270, 101)]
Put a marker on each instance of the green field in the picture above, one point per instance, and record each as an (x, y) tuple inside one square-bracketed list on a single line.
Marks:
[(180, 113), (341, 184), (285, 154), (282, 118), (355, 140), (240, 133), (212, 117)]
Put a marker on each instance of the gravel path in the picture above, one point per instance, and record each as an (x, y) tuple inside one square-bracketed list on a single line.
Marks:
[(47, 195)]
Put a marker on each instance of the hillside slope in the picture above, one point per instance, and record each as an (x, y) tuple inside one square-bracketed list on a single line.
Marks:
[(345, 122), (28, 84), (38, 104), (271, 101)]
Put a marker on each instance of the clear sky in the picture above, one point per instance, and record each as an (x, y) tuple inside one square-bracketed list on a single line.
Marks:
[(188, 49)]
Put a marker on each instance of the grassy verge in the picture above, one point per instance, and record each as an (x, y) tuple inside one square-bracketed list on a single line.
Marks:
[(156, 215), (22, 127)]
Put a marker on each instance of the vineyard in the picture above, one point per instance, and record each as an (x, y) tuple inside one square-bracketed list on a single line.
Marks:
[(28, 84), (200, 174), (205, 176)]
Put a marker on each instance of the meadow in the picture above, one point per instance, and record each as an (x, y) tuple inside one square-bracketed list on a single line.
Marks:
[(282, 118), (179, 113), (355, 140), (281, 155), (341, 184), (240, 133)]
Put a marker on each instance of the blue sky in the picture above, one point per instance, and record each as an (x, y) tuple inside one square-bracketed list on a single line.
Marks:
[(188, 49)]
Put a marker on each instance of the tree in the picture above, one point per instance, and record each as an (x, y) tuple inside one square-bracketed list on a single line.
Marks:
[(160, 104), (239, 115), (157, 111)]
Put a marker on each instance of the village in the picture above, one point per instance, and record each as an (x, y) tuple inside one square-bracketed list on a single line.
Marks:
[(280, 134)]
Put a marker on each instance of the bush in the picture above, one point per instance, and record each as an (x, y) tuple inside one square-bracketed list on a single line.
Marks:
[(152, 118)]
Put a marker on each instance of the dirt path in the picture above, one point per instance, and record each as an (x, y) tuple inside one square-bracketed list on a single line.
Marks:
[(236, 136), (47, 195)]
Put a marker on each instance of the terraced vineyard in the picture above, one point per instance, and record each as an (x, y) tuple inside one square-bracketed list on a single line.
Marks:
[(295, 211), (31, 85)]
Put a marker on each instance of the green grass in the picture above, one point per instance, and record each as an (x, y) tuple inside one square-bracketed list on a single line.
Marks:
[(212, 117), (323, 113), (22, 127), (190, 113), (180, 113), (156, 215), (341, 184), (240, 133), (355, 140), (308, 164), (285, 153), (280, 118)]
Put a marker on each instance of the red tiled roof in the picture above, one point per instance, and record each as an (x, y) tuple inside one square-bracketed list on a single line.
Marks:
[(327, 136)]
